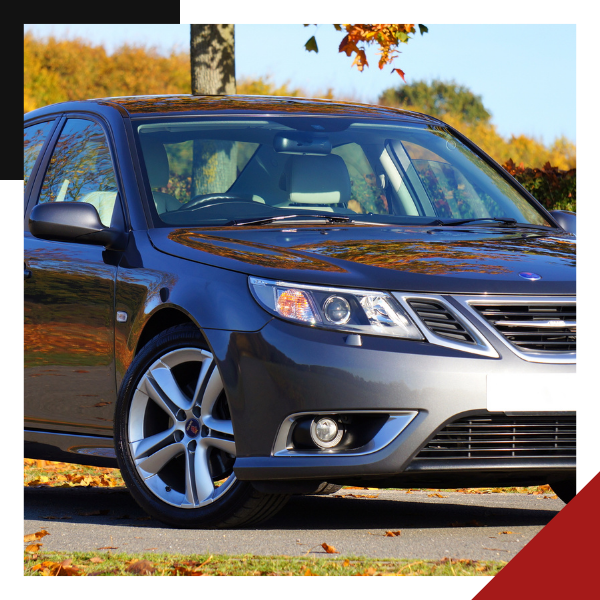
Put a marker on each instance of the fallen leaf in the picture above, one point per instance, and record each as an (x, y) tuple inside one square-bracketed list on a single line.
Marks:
[(359, 496), (32, 537), (141, 567), (505, 532), (370, 571), (206, 561), (436, 496), (33, 548), (392, 533), (346, 563), (329, 549), (96, 559)]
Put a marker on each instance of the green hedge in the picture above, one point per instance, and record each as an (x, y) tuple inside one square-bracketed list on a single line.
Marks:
[(554, 188)]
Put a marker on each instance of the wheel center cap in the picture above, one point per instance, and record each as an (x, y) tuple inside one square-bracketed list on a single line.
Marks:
[(192, 427)]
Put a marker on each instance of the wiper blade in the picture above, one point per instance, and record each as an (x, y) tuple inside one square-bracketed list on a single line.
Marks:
[(500, 220), (267, 220)]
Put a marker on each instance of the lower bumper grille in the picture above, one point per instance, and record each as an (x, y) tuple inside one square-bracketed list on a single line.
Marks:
[(502, 437)]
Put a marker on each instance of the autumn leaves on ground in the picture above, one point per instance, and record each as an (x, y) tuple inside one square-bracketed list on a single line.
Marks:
[(104, 561)]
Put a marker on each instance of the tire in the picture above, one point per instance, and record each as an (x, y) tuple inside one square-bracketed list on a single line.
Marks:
[(326, 488), (565, 490), (174, 438)]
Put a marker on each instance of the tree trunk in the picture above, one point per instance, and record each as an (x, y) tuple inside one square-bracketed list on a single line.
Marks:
[(212, 55)]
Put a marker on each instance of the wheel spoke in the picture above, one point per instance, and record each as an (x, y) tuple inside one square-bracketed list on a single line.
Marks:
[(164, 378), (219, 425), (225, 445), (143, 446), (155, 462), (198, 481), (156, 394), (213, 390), (206, 364)]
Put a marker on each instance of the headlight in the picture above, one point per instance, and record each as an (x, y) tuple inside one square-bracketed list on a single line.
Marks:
[(355, 311)]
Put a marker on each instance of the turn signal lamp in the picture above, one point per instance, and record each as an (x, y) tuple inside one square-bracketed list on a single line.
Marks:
[(294, 304)]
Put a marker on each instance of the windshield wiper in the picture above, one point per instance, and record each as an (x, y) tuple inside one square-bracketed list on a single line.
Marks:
[(267, 220), (510, 222)]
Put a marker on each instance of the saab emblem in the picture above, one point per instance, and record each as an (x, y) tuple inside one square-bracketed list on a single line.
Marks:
[(529, 276)]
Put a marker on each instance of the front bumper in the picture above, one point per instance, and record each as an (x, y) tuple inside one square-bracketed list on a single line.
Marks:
[(285, 369)]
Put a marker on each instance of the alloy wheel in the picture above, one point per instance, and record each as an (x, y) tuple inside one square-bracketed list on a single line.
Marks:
[(180, 433)]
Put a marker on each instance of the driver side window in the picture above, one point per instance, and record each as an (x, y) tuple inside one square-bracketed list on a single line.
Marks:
[(81, 170)]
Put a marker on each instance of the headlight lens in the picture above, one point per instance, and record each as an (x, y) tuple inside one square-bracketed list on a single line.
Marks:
[(355, 311)]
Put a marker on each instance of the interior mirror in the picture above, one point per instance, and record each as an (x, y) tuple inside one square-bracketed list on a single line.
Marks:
[(301, 143), (77, 222)]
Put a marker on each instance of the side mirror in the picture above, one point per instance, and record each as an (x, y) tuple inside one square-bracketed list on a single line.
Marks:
[(566, 219), (77, 222)]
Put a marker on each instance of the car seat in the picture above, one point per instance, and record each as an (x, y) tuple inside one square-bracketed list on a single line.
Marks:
[(157, 167), (315, 182)]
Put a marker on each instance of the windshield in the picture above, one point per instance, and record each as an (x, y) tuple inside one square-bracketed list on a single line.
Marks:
[(218, 171)]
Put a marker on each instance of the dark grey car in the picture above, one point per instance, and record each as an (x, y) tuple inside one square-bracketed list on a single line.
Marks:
[(240, 298)]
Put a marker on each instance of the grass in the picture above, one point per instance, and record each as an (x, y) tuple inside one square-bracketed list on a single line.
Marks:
[(105, 563)]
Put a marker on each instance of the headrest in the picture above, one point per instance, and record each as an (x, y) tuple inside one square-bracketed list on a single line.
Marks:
[(157, 163), (317, 179)]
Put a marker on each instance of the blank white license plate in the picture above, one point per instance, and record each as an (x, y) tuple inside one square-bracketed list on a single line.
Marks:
[(549, 392)]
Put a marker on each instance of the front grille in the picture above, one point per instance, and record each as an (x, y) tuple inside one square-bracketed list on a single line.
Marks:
[(534, 327), (440, 321), (502, 437)]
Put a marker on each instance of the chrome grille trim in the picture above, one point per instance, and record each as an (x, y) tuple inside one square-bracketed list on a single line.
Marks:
[(477, 343), (560, 333)]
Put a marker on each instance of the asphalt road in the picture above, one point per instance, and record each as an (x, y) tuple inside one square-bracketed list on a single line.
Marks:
[(456, 526)]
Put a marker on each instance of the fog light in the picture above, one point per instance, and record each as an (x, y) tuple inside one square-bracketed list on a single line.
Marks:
[(326, 433)]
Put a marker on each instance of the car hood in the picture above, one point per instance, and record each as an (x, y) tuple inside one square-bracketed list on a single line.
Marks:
[(416, 259)]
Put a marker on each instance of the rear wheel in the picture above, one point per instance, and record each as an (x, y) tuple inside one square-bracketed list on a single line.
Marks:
[(174, 438)]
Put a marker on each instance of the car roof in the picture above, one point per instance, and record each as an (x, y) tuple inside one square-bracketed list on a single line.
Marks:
[(138, 106)]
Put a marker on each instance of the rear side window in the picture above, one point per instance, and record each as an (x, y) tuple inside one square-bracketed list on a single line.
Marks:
[(81, 170), (34, 137)]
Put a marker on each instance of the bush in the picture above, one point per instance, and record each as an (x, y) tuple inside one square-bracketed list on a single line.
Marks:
[(553, 187)]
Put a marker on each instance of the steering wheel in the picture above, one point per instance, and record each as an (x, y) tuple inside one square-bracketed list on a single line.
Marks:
[(214, 198)]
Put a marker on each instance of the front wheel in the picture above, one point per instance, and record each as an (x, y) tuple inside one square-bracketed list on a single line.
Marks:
[(174, 438)]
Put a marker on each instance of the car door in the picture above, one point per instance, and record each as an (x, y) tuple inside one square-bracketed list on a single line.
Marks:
[(69, 294)]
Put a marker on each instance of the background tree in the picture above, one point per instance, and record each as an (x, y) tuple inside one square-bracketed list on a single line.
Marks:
[(438, 98), (212, 60)]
